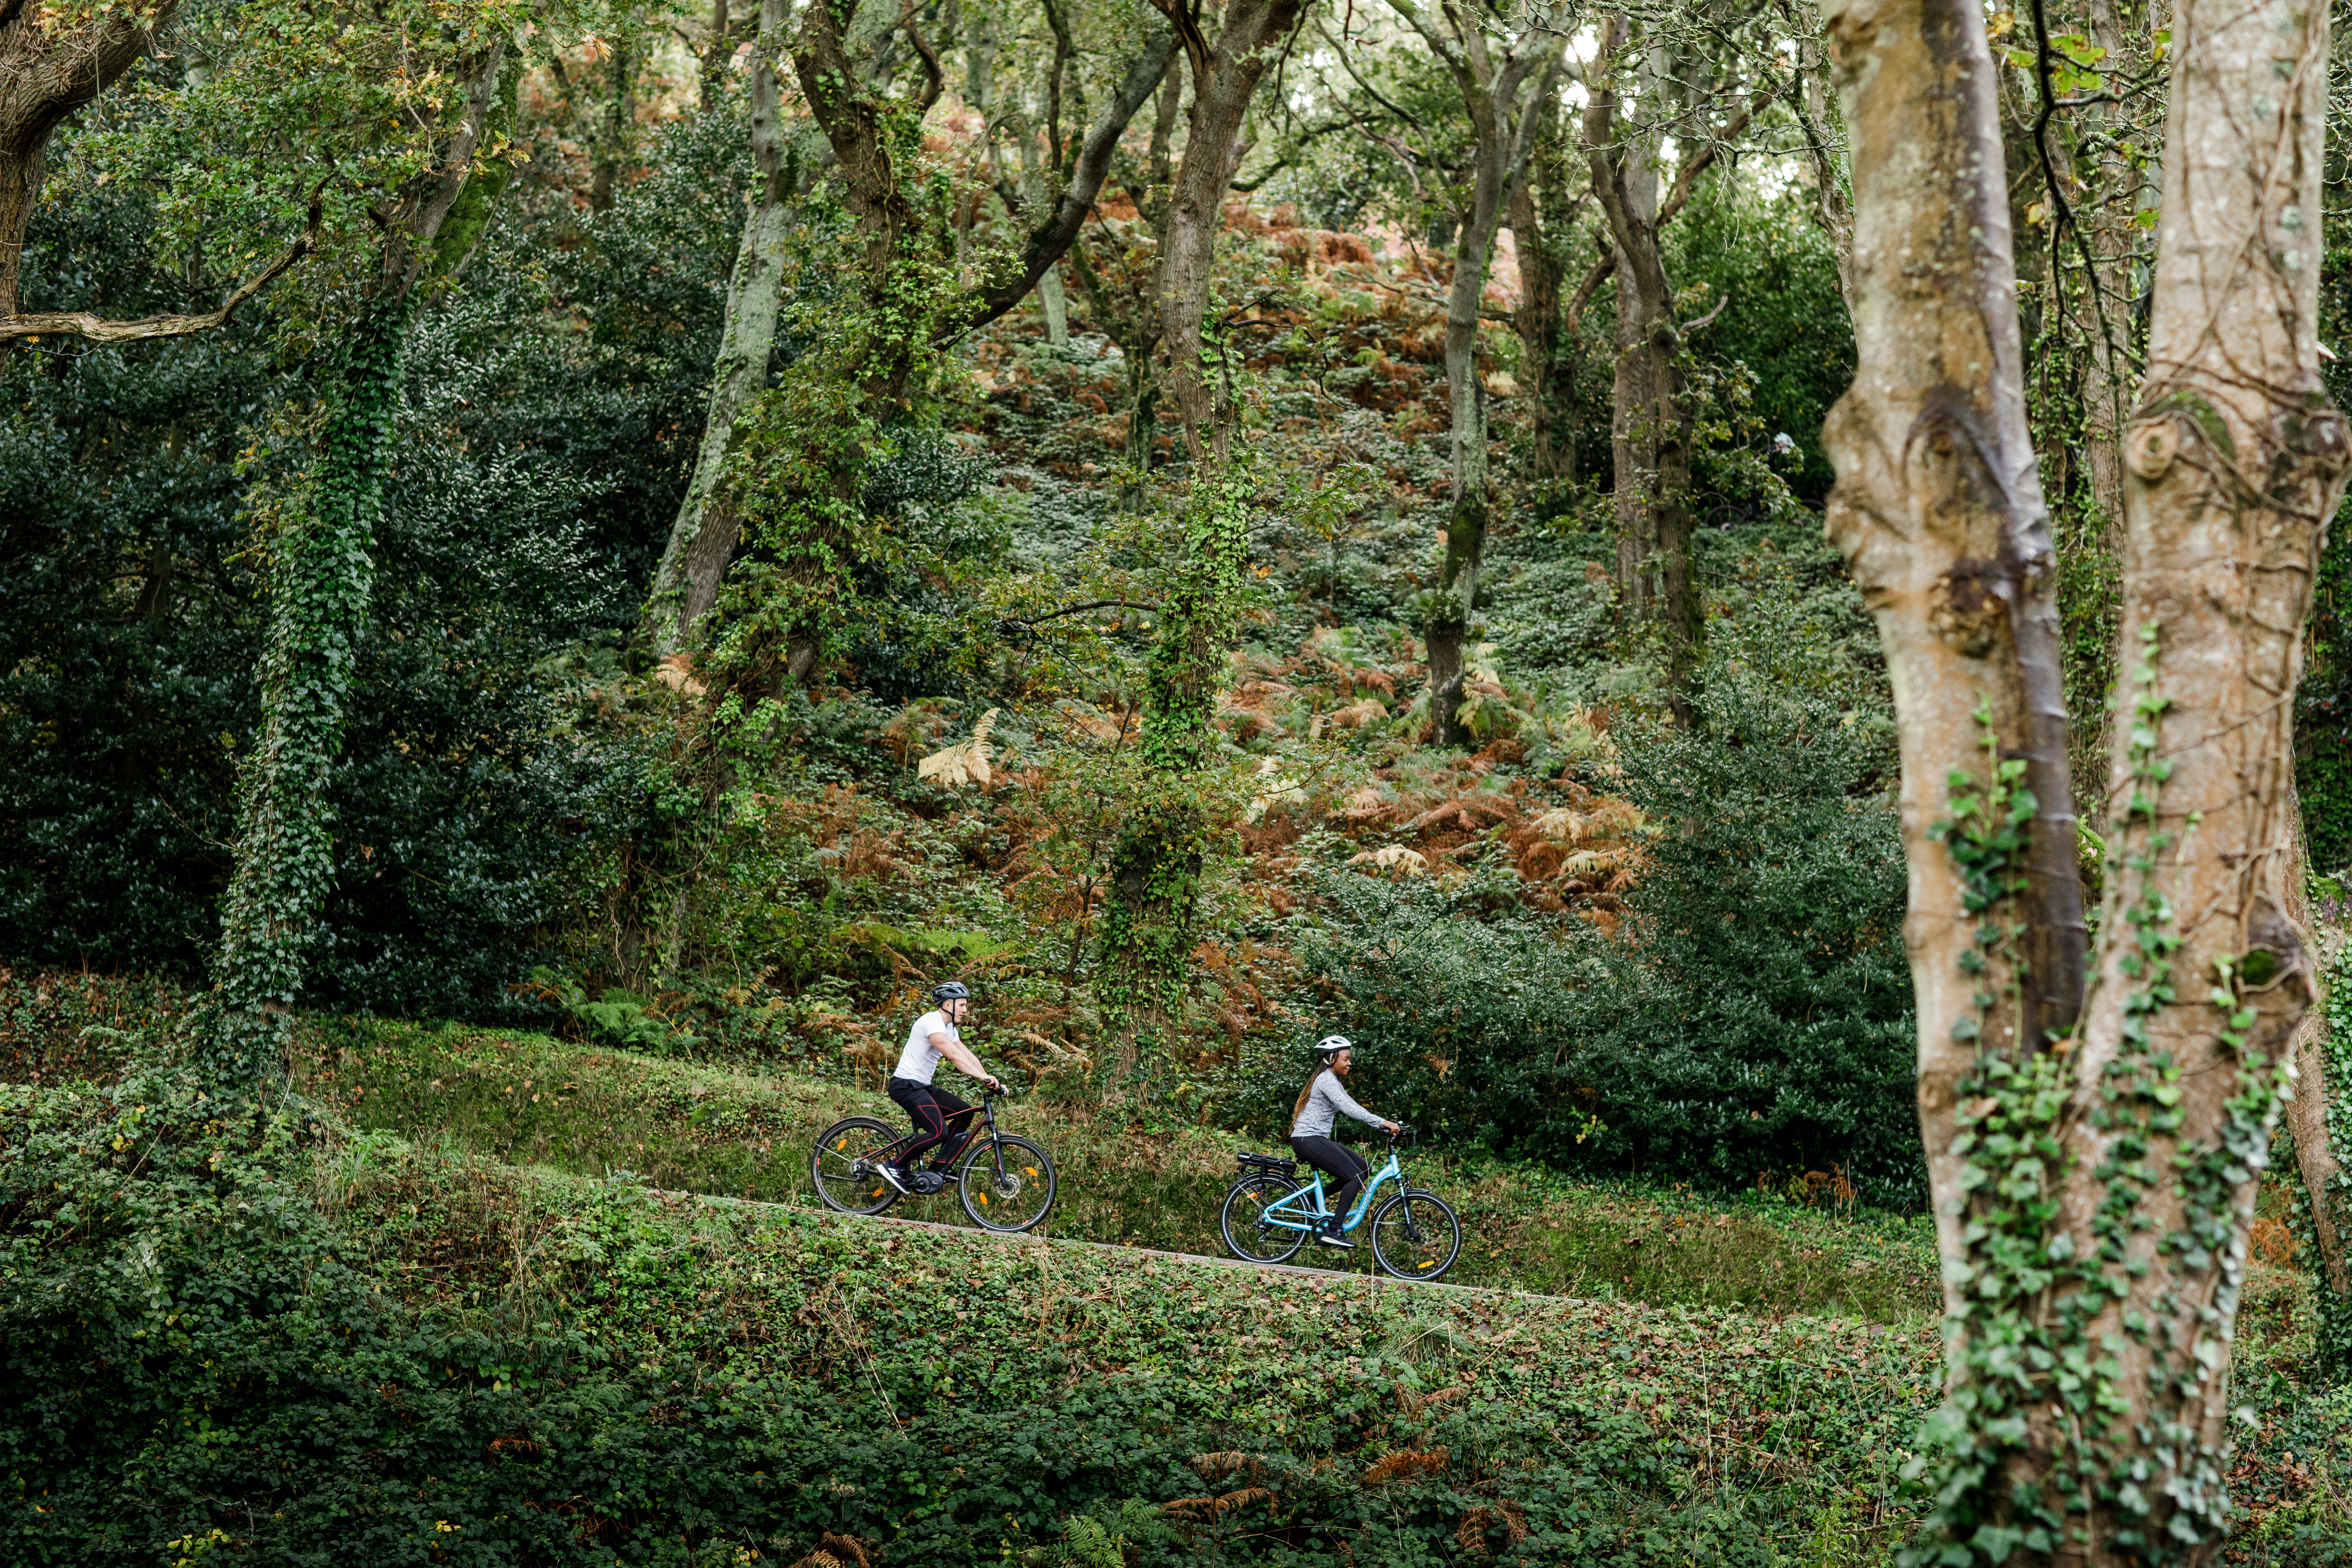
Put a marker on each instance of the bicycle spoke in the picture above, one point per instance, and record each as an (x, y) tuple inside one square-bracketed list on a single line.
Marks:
[(1007, 1185)]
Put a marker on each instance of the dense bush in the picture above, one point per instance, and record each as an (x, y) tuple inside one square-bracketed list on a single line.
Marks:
[(204, 1359), (538, 459), (1752, 1017)]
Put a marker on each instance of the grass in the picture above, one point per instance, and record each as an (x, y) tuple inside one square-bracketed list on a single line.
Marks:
[(1787, 1434), (527, 1099), (1754, 1361)]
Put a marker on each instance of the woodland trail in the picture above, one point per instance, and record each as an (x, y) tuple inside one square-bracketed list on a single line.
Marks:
[(1374, 1277)]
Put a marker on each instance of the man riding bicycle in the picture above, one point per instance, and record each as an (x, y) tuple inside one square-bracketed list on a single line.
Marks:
[(1312, 1119), (939, 1116)]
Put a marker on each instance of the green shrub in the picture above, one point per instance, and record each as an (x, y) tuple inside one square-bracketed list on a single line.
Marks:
[(466, 1367), (1752, 1017)]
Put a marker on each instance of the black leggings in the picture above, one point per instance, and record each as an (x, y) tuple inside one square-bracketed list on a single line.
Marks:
[(933, 1111), (1343, 1164)]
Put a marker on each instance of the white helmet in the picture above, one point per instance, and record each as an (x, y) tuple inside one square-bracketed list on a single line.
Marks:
[(1330, 1046)]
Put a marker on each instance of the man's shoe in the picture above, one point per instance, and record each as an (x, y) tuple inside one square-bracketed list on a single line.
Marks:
[(896, 1178), (1332, 1236)]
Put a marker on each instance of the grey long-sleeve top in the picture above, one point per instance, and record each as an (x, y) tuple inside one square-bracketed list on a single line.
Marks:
[(1328, 1098)]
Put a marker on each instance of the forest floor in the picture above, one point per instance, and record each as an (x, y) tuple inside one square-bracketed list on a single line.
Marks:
[(1753, 1360)]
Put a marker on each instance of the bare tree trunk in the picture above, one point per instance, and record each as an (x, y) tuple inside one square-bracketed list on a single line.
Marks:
[(46, 71), (1832, 207), (2094, 1188), (702, 539)]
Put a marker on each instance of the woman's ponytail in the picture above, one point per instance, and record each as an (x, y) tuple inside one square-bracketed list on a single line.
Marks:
[(1298, 1106)]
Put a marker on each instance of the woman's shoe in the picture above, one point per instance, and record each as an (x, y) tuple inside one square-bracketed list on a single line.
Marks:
[(1332, 1235)]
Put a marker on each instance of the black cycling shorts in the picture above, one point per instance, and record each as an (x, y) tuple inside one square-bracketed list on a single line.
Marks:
[(933, 1109)]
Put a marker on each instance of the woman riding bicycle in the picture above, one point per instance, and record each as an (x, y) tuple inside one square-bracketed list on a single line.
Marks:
[(939, 1116), (1311, 1121)]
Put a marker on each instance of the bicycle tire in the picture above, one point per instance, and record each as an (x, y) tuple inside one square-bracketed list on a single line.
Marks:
[(1415, 1235), (1245, 1201), (1017, 1200), (837, 1166)]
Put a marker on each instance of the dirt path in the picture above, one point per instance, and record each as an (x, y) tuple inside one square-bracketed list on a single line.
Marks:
[(1375, 1277)]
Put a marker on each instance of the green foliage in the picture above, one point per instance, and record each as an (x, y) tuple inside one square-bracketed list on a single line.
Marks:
[(332, 1353), (1757, 1021), (2332, 1332)]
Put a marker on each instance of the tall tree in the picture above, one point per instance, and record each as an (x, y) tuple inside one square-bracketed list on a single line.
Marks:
[(703, 536), (321, 574), (1542, 216), (1505, 65), (1650, 425), (2093, 1177), (1155, 869)]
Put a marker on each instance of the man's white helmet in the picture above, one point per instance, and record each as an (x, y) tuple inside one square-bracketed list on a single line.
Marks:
[(1330, 1046)]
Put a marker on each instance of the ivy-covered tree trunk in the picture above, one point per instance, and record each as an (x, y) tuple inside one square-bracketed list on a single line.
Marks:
[(1539, 215), (2319, 1119), (1155, 869), (322, 575), (702, 539), (2093, 1185)]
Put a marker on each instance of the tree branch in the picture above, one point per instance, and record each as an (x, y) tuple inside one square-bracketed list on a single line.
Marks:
[(934, 78), (1050, 239), (97, 330), (1696, 164)]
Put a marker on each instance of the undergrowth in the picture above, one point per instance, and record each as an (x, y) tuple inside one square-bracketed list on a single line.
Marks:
[(530, 1100)]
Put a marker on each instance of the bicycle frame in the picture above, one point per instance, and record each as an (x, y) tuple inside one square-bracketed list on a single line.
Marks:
[(890, 1153), (1291, 1213)]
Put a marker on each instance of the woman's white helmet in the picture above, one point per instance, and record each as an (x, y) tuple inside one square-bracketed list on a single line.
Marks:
[(1330, 1046)]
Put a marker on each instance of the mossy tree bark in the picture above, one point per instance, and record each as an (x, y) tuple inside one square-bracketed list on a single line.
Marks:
[(322, 576), (1148, 929), (1542, 214), (702, 539), (2094, 1184)]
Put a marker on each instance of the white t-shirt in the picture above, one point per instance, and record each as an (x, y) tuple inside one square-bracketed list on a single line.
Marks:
[(921, 1059)]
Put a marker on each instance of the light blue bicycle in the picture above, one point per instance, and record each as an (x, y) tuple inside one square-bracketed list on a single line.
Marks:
[(1270, 1213)]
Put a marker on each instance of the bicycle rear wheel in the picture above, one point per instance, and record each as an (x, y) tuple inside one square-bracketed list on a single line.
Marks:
[(1007, 1185), (847, 1165), (1415, 1235), (1249, 1235)]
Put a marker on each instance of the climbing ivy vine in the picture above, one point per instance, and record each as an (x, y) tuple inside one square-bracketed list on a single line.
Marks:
[(2046, 1317), (1181, 813), (322, 575)]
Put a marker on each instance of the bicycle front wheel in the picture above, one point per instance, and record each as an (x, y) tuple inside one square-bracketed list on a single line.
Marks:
[(1007, 1185), (1415, 1235), (847, 1165), (1249, 1234)]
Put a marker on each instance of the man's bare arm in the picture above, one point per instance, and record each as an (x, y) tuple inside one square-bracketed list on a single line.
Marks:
[(962, 1058)]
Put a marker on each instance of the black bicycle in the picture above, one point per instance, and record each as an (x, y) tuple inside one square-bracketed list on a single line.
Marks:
[(1006, 1181)]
